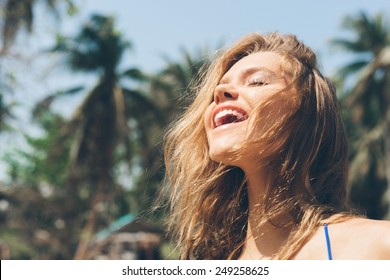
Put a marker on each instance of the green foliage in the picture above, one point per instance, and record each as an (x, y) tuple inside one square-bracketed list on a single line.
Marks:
[(19, 14), (365, 105), (4, 114), (371, 34), (21, 249), (44, 160), (97, 47)]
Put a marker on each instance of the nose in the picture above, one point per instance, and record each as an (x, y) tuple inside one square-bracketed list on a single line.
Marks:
[(223, 93)]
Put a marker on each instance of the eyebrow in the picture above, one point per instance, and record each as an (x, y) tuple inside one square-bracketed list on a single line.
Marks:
[(248, 71)]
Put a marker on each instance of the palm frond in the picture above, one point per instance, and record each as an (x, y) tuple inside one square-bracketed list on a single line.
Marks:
[(368, 74), (136, 100), (134, 74), (348, 45), (363, 158), (17, 13), (371, 33), (352, 68), (43, 105)]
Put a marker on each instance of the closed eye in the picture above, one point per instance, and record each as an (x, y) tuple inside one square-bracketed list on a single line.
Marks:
[(257, 83)]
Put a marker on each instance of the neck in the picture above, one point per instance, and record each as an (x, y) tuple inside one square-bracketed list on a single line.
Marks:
[(263, 240)]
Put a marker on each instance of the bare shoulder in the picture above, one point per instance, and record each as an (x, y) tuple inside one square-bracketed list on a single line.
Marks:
[(359, 238)]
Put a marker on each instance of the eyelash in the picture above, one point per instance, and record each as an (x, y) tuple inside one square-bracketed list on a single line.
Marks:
[(254, 82), (257, 83)]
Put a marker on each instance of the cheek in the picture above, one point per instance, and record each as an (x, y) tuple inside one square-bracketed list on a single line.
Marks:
[(279, 108), (280, 100), (207, 119), (272, 112)]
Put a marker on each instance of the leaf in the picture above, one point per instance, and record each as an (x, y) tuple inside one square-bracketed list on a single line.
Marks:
[(70, 91), (44, 104), (134, 73)]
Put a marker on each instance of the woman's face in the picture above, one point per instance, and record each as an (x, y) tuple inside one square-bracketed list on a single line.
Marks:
[(251, 81)]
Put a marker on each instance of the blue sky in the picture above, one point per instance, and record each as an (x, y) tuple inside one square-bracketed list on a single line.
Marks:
[(158, 28)]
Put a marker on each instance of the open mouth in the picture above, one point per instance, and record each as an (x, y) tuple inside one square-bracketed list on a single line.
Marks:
[(228, 116)]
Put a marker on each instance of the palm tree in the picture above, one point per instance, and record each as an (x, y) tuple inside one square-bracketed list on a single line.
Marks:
[(368, 102), (173, 86), (20, 13), (16, 15), (102, 128)]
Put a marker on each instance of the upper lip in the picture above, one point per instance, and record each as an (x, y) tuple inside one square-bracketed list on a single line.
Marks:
[(222, 107)]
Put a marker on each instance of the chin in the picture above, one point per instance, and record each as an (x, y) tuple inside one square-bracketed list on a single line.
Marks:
[(226, 155), (219, 157)]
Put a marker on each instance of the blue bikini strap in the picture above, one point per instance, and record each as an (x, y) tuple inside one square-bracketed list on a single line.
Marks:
[(328, 242)]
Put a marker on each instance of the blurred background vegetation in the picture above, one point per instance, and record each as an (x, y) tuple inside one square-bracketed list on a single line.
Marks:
[(83, 187)]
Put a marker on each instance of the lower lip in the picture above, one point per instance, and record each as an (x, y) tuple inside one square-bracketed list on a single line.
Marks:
[(229, 125)]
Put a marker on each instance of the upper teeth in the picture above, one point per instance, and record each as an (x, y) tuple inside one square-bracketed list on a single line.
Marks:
[(218, 117)]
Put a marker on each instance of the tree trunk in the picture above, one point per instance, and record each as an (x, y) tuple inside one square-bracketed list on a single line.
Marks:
[(386, 139), (88, 230)]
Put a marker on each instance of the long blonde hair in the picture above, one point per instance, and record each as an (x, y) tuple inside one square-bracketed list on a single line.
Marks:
[(208, 200)]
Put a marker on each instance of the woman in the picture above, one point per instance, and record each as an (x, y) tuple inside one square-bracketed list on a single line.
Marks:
[(257, 165)]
